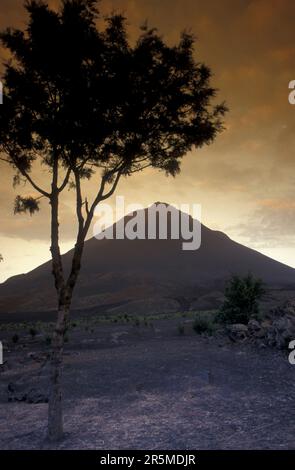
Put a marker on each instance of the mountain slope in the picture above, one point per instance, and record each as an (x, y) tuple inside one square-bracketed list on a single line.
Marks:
[(144, 275)]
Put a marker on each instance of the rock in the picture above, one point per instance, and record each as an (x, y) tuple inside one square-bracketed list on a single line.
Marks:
[(4, 367), (260, 334), (288, 308), (280, 328), (40, 357), (19, 392), (256, 329), (281, 332), (238, 332), (254, 326), (31, 389), (35, 396)]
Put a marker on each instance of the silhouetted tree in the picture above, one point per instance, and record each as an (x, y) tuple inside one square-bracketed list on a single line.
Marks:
[(84, 102)]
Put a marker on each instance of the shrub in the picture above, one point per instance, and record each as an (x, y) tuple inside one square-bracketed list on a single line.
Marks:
[(204, 323), (32, 332), (180, 329), (48, 340), (15, 338), (242, 295)]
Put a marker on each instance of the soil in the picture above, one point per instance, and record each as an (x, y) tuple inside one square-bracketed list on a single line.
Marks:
[(153, 387)]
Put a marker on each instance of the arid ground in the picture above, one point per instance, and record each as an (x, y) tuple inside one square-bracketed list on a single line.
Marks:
[(149, 384)]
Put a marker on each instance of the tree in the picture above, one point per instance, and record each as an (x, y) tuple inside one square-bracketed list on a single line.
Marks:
[(242, 295), (85, 103)]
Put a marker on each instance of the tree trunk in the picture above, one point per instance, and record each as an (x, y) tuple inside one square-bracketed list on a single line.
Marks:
[(55, 413), (64, 291)]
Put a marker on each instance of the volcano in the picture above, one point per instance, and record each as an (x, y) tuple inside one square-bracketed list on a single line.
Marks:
[(145, 275)]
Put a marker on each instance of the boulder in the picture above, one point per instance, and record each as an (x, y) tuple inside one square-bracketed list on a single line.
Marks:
[(288, 308), (256, 329), (281, 332), (254, 326), (238, 332)]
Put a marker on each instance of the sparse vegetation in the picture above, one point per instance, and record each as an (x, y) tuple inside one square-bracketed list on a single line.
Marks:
[(242, 295), (205, 322), (15, 338), (180, 329), (48, 340), (33, 332)]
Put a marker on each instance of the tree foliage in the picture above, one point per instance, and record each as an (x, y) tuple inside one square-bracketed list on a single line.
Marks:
[(26, 204), (90, 100), (242, 295)]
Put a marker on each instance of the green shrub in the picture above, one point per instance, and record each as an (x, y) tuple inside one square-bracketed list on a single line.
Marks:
[(242, 295), (204, 323)]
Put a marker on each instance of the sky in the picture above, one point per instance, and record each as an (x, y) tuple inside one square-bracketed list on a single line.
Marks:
[(245, 181)]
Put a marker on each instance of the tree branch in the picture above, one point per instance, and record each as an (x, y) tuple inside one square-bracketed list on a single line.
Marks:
[(111, 192), (27, 176), (79, 203), (35, 186), (65, 181), (57, 267)]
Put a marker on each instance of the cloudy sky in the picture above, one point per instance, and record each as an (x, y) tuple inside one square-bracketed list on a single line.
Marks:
[(245, 181)]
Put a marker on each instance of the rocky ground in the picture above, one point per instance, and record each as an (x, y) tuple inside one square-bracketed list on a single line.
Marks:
[(151, 385)]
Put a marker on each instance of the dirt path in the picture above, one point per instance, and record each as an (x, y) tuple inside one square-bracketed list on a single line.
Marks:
[(130, 388)]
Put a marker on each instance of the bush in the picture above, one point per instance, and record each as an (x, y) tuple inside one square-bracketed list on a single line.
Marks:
[(204, 323), (242, 295), (48, 340), (33, 332), (15, 338), (180, 329)]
